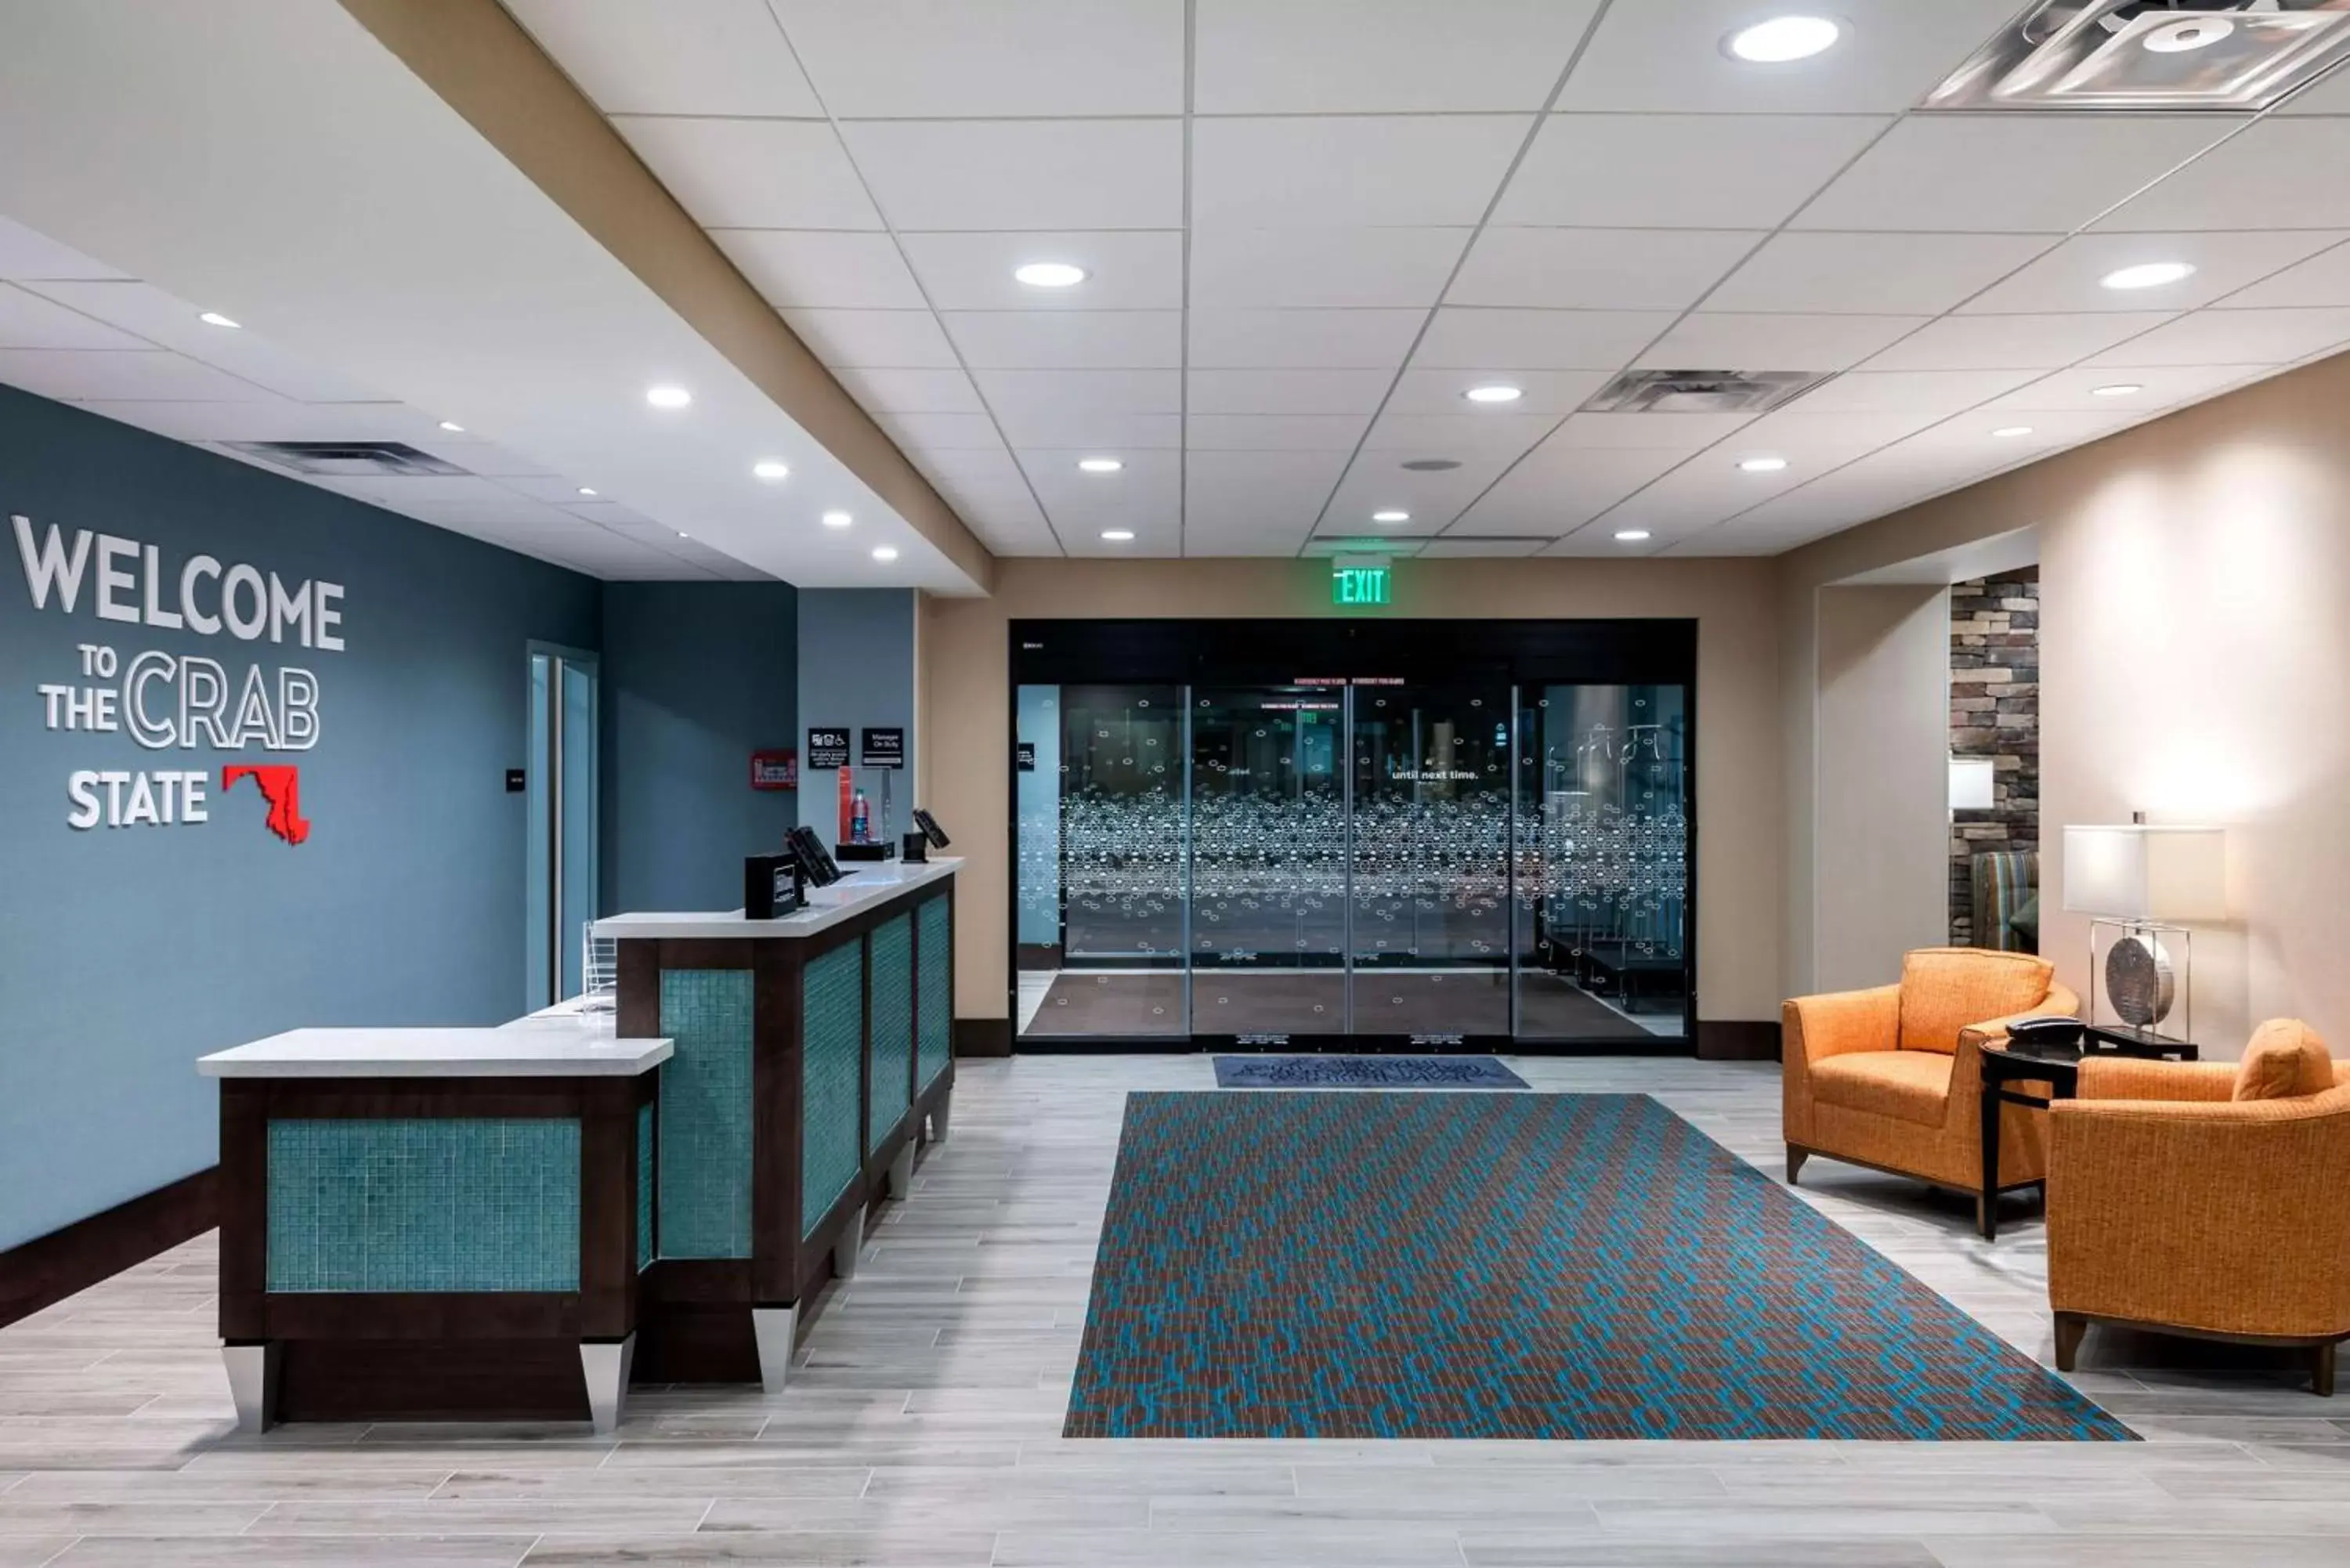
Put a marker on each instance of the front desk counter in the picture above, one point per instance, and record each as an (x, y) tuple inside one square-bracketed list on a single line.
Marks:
[(511, 1223)]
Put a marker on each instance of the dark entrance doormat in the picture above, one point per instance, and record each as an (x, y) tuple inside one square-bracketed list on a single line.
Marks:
[(1364, 1072), (1565, 1266)]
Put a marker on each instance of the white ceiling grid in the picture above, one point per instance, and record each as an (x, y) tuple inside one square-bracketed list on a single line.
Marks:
[(1309, 225)]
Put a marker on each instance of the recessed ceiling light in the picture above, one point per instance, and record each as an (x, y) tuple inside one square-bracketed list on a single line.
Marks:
[(2006, 432), (838, 519), (1050, 275), (771, 469), (1785, 38), (683, 535), (2148, 275), (1099, 464), (1391, 516), (215, 318), (452, 427), (1493, 394), (1118, 536), (1630, 536), (585, 491), (1762, 464), (885, 552), (2186, 34), (2119, 390), (668, 396)]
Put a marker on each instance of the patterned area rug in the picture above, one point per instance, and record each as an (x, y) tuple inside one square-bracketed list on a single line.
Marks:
[(1566, 1266), (1364, 1072)]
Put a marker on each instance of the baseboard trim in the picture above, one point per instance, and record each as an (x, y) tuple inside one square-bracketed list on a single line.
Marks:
[(982, 1037), (47, 1269), (1737, 1039)]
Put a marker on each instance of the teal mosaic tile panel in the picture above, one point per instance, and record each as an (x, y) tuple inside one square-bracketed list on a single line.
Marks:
[(423, 1204), (893, 1028), (644, 1187), (936, 985), (832, 1009), (705, 1114)]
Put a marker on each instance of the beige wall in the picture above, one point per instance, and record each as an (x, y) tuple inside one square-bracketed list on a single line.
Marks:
[(1881, 817), (965, 702), (2195, 649)]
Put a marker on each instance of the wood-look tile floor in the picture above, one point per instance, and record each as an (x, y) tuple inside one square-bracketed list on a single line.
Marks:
[(922, 1427)]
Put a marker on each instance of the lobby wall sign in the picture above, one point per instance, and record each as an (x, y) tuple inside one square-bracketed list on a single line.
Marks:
[(178, 702), (777, 768), (883, 748), (828, 748)]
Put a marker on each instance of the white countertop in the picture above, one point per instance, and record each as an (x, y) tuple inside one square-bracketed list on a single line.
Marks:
[(528, 1048), (863, 884)]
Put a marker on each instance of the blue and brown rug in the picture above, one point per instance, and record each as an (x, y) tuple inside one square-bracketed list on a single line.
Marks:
[(1364, 1072), (1566, 1266)]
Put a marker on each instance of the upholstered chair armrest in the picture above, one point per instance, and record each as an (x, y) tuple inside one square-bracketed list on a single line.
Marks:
[(2222, 1217), (2128, 1078), (1835, 1023), (2061, 1001)]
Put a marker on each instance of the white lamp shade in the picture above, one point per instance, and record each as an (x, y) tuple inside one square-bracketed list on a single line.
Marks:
[(2135, 872), (1973, 784)]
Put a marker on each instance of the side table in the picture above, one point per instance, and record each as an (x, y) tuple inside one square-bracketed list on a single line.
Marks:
[(2008, 1067)]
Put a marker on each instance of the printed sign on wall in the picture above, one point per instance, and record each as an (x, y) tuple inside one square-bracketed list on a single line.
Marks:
[(775, 769), (186, 702), (828, 748), (883, 749)]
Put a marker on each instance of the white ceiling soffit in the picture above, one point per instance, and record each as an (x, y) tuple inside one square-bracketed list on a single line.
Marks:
[(2009, 552), (1310, 226), (275, 163)]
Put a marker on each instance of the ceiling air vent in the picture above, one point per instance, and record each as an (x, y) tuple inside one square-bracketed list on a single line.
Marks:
[(1701, 391), (347, 459), (2154, 55)]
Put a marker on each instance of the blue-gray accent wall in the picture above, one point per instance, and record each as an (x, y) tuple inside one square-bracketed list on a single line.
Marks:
[(127, 952), (857, 668)]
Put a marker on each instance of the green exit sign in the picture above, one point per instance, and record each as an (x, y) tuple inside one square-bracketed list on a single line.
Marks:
[(1359, 585)]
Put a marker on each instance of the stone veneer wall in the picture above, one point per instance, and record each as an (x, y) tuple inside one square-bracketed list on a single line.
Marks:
[(1994, 713)]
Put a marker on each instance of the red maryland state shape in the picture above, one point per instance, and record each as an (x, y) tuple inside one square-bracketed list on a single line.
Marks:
[(280, 786)]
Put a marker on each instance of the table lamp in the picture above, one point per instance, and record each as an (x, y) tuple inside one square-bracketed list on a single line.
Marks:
[(2138, 882)]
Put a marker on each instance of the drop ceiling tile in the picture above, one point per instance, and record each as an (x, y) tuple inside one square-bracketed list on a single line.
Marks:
[(2012, 342), (2022, 173), (1340, 392), (1100, 430), (886, 58), (1068, 339), (273, 418), (1660, 433), (2278, 174), (912, 391), (753, 173), (822, 269), (2323, 279), (1066, 174), (1273, 268), (167, 322), (1302, 339), (1125, 270), (1141, 391), (1147, 493), (1551, 393), (1813, 442), (1667, 55), (551, 488), (1741, 342), (1201, 543), (1597, 269), (1248, 493), (2235, 338), (2066, 279), (1936, 393), (1449, 548), (123, 375), (1680, 170), (484, 458), (957, 472), (1969, 438), (1275, 432), (1553, 493), (875, 339), (683, 56), (2166, 387), (1469, 340), (1351, 171), (1891, 275), (27, 255), (1377, 482), (1371, 57), (29, 321), (2329, 95), (942, 432), (1457, 435)]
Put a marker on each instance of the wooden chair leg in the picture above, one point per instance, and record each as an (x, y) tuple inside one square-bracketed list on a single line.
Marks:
[(1796, 1158), (2070, 1328), (2322, 1369)]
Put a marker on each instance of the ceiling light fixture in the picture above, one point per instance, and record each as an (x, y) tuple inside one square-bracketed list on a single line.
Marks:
[(668, 396), (1391, 516), (2148, 275), (2008, 432), (2188, 33), (1783, 39), (1099, 464), (1493, 394), (452, 427), (771, 469), (683, 535), (838, 519), (215, 318), (1050, 275), (885, 552), (585, 491), (1630, 536), (1762, 464), (1118, 536), (2120, 389)]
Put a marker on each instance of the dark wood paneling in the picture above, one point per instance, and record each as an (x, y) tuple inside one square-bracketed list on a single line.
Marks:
[(1732, 1040), (775, 1131), (355, 1380), (983, 1037), (243, 1206), (47, 1269), (388, 1315), (687, 1342), (607, 1207)]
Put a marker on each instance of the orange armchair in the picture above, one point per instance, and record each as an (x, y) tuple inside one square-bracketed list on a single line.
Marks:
[(1891, 1077), (2194, 1199)]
